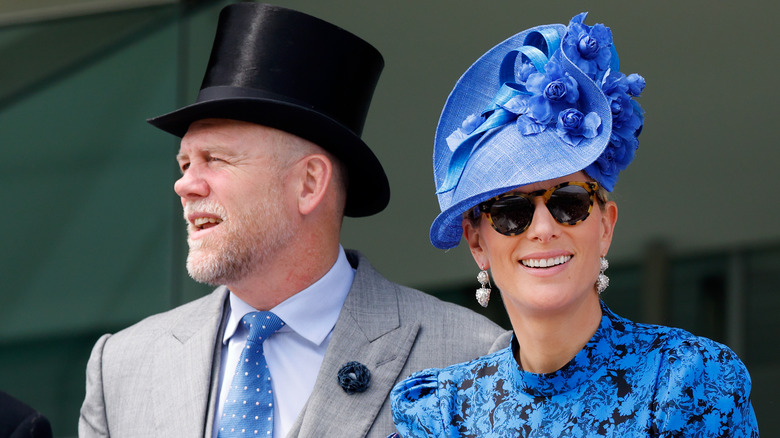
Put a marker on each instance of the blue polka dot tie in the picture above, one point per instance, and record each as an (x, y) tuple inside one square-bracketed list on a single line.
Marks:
[(249, 406)]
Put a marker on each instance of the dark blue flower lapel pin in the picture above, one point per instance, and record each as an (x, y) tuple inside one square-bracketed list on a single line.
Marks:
[(354, 377)]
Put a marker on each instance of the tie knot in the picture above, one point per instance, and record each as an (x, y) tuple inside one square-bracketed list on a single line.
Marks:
[(261, 325)]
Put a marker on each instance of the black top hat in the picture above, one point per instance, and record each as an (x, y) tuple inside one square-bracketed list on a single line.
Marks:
[(290, 71)]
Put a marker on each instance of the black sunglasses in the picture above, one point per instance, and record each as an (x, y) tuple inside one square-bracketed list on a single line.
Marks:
[(511, 213)]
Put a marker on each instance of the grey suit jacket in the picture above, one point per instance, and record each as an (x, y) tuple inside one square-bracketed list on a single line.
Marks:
[(158, 378)]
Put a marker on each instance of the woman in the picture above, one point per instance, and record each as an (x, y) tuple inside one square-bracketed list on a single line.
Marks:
[(529, 143)]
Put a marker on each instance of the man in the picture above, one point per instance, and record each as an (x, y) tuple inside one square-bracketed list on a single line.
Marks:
[(271, 161)]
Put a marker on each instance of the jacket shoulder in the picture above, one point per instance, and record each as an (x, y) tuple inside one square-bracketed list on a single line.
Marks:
[(175, 319), (433, 314), (448, 333), (432, 310)]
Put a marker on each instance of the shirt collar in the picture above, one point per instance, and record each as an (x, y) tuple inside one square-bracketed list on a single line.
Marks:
[(312, 312)]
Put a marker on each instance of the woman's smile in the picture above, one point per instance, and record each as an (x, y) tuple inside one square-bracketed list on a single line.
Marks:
[(545, 262)]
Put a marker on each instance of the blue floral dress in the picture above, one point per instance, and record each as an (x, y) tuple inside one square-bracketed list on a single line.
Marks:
[(630, 380)]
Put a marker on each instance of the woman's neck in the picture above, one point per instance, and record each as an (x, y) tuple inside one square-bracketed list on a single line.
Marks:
[(549, 341)]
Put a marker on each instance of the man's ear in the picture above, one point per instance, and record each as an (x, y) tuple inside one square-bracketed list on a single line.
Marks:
[(316, 174), (471, 234)]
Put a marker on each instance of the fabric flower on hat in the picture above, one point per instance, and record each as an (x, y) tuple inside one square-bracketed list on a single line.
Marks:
[(573, 126), (616, 157), (589, 48), (524, 71), (627, 120), (636, 84), (619, 88), (552, 91)]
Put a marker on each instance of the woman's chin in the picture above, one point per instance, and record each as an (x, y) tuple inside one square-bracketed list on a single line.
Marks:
[(548, 299)]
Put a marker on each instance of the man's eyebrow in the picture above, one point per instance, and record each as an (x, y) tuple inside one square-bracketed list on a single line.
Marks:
[(203, 151)]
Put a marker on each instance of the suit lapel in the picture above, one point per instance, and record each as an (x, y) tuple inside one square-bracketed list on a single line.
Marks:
[(183, 371), (368, 331)]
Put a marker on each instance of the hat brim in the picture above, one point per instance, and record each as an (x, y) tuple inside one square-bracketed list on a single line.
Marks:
[(368, 190)]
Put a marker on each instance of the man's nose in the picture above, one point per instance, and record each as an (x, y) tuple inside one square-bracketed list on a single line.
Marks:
[(191, 185)]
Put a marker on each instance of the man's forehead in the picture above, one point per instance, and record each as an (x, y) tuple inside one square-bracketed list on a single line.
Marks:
[(213, 135), (234, 137), (228, 145)]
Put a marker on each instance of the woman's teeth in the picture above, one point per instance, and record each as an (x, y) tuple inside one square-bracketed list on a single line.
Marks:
[(545, 263)]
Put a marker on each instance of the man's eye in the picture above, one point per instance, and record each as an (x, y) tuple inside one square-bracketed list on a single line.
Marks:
[(184, 166)]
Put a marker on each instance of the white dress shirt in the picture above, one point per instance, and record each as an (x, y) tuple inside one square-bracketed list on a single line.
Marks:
[(294, 353)]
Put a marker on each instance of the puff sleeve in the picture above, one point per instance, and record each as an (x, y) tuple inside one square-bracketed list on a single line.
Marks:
[(703, 390), (415, 403)]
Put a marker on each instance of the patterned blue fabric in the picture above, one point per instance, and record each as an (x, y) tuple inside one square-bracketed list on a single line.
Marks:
[(630, 380), (249, 407)]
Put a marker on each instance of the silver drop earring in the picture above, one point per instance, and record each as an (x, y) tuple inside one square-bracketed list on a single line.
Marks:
[(483, 293), (603, 281)]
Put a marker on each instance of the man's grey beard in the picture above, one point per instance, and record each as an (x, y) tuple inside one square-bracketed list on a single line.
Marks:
[(249, 239)]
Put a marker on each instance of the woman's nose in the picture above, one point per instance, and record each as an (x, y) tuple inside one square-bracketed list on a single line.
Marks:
[(543, 226)]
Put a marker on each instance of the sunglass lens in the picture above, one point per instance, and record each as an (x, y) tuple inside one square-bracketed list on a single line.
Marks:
[(511, 215), (569, 204)]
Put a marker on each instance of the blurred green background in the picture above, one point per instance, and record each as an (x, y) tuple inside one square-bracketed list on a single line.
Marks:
[(94, 239)]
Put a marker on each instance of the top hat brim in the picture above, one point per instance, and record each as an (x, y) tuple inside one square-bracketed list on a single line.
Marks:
[(368, 190)]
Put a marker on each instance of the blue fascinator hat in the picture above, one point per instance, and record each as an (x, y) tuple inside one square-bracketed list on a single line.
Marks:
[(545, 103)]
